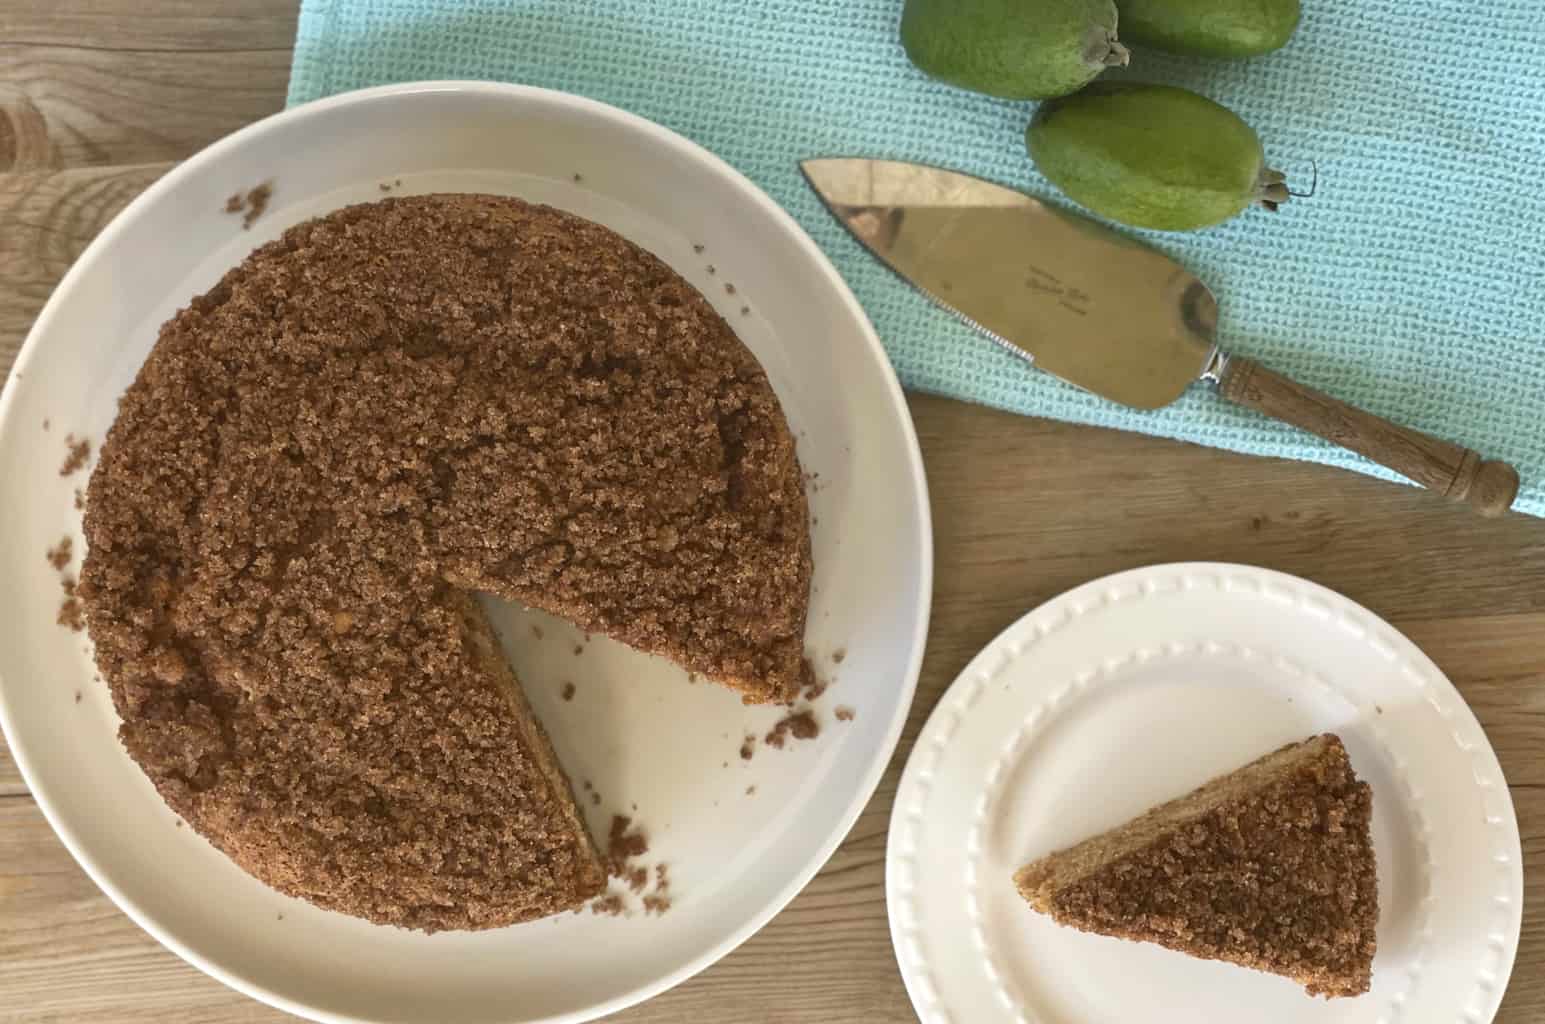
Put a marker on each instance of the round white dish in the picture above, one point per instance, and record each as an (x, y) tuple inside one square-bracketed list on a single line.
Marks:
[(740, 837), (1136, 688)]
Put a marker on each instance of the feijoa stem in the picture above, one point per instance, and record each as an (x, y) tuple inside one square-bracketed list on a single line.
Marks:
[(1271, 189)]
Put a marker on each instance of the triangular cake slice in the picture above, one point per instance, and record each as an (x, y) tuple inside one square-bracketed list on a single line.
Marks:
[(1270, 867)]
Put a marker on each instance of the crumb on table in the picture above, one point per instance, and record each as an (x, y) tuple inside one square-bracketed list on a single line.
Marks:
[(844, 713)]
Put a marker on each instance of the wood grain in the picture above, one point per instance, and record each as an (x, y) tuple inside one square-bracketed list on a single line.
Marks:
[(99, 96), (46, 219), (1451, 470), (10, 777), (150, 26), (126, 107)]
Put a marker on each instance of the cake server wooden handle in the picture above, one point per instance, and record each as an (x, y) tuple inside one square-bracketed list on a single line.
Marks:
[(1455, 472)]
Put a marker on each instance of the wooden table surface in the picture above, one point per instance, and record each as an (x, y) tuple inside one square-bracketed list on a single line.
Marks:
[(99, 97)]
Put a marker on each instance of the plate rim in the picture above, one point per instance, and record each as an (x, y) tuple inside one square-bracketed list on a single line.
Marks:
[(189, 169), (916, 985)]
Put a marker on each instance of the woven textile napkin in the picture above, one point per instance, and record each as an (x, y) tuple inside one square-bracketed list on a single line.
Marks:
[(1412, 284)]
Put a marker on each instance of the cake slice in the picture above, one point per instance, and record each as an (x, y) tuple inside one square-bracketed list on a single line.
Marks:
[(1269, 867)]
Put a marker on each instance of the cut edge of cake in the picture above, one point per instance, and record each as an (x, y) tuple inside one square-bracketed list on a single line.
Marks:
[(497, 670), (1040, 881)]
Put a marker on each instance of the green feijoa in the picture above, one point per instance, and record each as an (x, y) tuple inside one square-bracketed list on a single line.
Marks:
[(1209, 28), (1152, 156), (1017, 49)]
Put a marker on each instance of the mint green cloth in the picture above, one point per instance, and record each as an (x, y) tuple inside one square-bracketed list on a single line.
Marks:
[(1412, 284)]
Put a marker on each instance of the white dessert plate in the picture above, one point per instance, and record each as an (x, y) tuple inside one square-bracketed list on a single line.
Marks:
[(740, 837), (1134, 689)]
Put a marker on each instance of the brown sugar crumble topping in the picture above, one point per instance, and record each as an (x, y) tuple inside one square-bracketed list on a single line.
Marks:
[(385, 409)]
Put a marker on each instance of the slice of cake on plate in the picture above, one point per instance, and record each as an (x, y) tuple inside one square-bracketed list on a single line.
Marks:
[(1269, 867)]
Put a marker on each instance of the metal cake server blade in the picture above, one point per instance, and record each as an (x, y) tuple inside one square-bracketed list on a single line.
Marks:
[(1102, 311)]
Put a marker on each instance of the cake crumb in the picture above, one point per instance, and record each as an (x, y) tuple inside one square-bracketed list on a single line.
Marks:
[(588, 786), (729, 289), (257, 204), (745, 310), (801, 726), (78, 452), (178, 823), (252, 204), (751, 790), (698, 249), (623, 845), (568, 691), (281, 916), (45, 423), (536, 631), (59, 555), (839, 654), (814, 686), (610, 904), (384, 186), (80, 500), (595, 798), (712, 269), (637, 878), (748, 748), (77, 696), (578, 178), (72, 613), (844, 713), (658, 902), (578, 650)]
